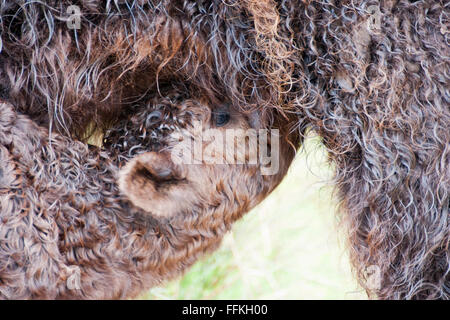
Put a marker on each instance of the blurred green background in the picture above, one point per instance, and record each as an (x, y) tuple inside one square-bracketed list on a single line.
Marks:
[(288, 247)]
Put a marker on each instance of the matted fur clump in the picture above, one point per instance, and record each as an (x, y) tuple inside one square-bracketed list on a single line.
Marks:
[(371, 77)]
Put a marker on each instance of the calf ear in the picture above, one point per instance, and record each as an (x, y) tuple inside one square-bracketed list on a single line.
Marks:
[(152, 182)]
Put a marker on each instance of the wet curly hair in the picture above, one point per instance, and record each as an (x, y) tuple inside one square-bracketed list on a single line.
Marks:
[(370, 77)]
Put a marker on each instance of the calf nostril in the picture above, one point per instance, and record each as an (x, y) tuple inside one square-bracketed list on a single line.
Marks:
[(153, 118)]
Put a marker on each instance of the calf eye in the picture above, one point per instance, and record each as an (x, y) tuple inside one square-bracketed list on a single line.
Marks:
[(222, 118)]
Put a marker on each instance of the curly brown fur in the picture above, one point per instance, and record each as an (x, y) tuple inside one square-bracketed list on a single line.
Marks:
[(67, 231), (125, 49), (371, 77), (70, 81)]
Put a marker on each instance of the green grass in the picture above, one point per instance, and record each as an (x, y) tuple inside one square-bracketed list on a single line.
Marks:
[(286, 248)]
